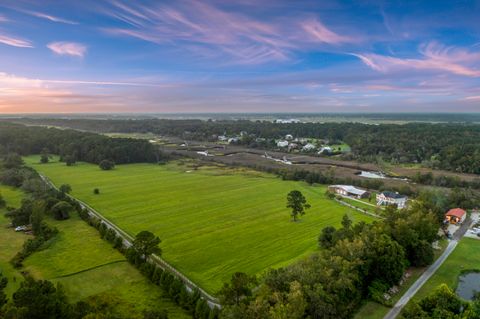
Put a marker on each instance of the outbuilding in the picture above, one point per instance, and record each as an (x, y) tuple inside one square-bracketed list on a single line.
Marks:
[(349, 190), (455, 216)]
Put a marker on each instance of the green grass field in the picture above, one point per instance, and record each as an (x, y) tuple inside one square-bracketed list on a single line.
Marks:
[(87, 265), (466, 256), (10, 241), (363, 205), (212, 221)]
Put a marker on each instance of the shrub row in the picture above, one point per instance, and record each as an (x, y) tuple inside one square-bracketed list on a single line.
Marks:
[(173, 286)]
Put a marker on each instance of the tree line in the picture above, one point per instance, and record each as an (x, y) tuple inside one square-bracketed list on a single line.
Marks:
[(74, 145), (429, 144)]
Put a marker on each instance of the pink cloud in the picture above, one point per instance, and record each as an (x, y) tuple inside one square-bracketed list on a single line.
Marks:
[(320, 33), (471, 98), (68, 48), (15, 42), (204, 28), (50, 17), (434, 57)]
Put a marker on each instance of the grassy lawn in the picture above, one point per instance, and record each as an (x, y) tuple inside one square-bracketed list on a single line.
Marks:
[(374, 310), (344, 148), (363, 205), (466, 256), (213, 221), (87, 265), (10, 241)]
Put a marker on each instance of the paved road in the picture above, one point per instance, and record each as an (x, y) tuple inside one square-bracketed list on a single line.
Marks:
[(395, 311)]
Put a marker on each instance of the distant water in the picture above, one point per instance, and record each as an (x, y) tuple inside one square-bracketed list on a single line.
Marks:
[(371, 175), (468, 285), (370, 118)]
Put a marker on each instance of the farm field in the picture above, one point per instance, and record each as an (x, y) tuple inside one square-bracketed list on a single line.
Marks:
[(10, 241), (213, 221), (466, 256), (87, 265)]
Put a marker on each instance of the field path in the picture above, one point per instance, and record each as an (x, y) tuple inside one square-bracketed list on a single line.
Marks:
[(128, 240)]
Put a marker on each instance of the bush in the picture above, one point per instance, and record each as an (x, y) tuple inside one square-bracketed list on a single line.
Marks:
[(157, 275), (69, 160), (110, 235), (102, 229), (118, 243), (61, 210), (83, 213), (106, 165)]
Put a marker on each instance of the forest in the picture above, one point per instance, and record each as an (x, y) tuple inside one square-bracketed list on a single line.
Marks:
[(453, 147), (73, 145)]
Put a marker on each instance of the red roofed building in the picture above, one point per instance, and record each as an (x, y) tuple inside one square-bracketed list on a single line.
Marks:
[(455, 215)]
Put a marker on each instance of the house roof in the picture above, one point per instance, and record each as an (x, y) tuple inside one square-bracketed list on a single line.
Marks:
[(350, 189), (393, 195), (456, 212)]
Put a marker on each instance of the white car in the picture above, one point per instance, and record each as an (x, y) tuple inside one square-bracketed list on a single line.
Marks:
[(20, 228)]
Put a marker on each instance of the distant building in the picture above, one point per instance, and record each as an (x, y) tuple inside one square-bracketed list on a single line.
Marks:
[(282, 143), (309, 147), (349, 190), (325, 150), (287, 121), (391, 198), (455, 215), (233, 140), (289, 137), (222, 138)]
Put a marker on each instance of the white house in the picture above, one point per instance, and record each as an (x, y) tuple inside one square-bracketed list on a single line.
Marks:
[(287, 121), (289, 137), (222, 138), (325, 149), (349, 190), (391, 198), (308, 147), (233, 140), (282, 143)]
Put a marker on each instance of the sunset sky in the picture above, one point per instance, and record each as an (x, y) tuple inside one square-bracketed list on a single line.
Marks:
[(239, 56)]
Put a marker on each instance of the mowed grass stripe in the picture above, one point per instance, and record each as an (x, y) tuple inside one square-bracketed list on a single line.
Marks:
[(213, 221)]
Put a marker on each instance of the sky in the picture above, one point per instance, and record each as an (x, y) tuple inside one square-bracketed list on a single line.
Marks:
[(222, 56)]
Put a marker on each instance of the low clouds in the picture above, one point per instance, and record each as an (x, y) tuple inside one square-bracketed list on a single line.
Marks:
[(68, 48)]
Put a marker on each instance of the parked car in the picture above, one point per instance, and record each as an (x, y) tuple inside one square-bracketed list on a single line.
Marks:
[(20, 228)]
